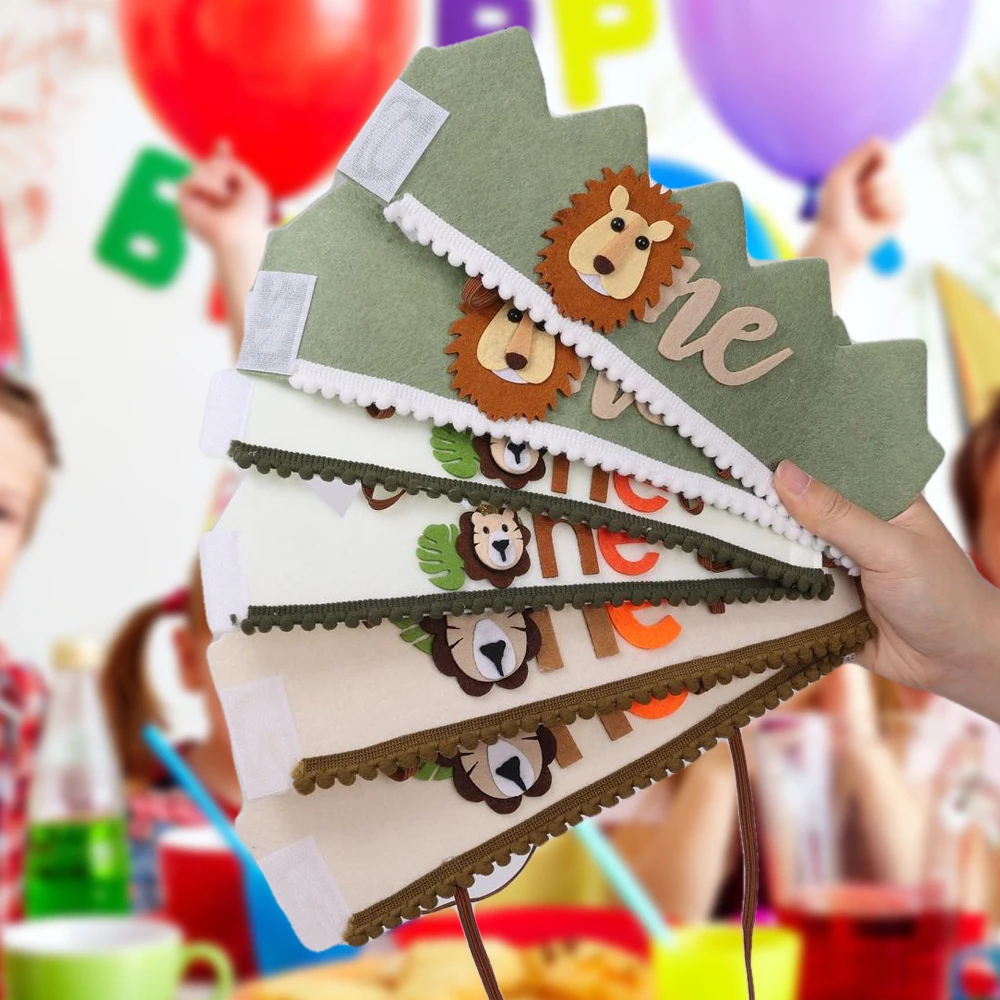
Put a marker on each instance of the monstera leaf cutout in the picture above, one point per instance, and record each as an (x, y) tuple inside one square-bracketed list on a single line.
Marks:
[(453, 449), (438, 557), (410, 631), (430, 771)]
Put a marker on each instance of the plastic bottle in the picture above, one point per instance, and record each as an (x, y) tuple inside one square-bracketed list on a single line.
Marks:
[(77, 844)]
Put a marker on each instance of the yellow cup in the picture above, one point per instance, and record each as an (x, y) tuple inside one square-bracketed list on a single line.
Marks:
[(706, 961)]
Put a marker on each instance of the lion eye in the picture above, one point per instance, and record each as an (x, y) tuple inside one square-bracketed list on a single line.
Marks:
[(642, 242), (617, 223), (540, 325), (505, 528), (486, 530), (515, 315)]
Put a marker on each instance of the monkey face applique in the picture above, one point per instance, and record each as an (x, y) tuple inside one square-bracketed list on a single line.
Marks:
[(502, 773), (483, 651)]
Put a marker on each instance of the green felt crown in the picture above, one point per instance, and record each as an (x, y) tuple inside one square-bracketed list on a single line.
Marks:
[(496, 172)]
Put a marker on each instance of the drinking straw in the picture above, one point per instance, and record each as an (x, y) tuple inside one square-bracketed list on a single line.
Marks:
[(618, 873), (179, 770), (276, 945)]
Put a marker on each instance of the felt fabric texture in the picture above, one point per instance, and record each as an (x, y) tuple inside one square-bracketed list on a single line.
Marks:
[(365, 282), (394, 848), (354, 348), (300, 563), (326, 678), (264, 425), (877, 385), (389, 144)]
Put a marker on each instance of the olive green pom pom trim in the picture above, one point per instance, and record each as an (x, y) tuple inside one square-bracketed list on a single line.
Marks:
[(696, 676), (262, 618), (442, 883), (810, 582)]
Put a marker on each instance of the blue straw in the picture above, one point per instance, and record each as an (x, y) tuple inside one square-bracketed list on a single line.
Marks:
[(179, 770), (618, 873)]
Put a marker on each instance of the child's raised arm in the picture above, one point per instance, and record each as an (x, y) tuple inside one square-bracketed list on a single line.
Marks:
[(860, 205), (225, 204)]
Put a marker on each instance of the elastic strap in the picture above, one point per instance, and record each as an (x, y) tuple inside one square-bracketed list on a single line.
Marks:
[(751, 859), (475, 941)]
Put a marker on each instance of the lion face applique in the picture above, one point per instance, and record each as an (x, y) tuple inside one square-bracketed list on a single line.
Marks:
[(483, 651), (493, 545), (502, 773), (505, 363), (515, 465), (613, 249)]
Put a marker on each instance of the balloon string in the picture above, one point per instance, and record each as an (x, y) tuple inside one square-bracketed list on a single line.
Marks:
[(810, 207)]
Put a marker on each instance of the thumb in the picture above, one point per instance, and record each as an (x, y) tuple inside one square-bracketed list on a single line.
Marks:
[(858, 533)]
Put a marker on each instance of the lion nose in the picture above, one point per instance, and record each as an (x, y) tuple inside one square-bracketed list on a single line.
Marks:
[(501, 545), (493, 651), (516, 361), (602, 265), (511, 770)]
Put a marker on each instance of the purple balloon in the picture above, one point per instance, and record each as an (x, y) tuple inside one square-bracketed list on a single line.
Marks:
[(803, 82)]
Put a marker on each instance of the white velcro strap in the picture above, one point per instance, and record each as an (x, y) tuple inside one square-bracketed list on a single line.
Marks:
[(227, 412), (392, 140), (276, 311), (224, 580), (262, 730), (308, 895)]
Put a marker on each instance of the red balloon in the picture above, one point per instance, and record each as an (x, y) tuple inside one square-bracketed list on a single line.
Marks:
[(288, 82)]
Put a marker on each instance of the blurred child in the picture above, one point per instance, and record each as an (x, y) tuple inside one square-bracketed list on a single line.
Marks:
[(27, 454), (154, 803), (131, 703)]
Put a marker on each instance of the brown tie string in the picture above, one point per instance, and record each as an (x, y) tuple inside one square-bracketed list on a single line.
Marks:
[(751, 882), (475, 941), (748, 840)]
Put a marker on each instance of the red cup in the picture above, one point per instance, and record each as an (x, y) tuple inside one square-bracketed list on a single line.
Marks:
[(528, 926), (202, 888)]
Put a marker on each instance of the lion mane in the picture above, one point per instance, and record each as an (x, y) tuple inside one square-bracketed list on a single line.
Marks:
[(497, 398), (575, 299)]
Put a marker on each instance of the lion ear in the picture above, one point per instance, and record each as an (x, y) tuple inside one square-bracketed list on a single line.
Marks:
[(660, 231), (476, 296), (619, 198)]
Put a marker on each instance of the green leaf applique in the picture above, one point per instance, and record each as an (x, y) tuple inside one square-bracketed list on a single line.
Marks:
[(453, 449), (438, 557), (410, 631), (429, 771)]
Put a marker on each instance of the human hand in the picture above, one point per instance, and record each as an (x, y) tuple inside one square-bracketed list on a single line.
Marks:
[(938, 620), (224, 203)]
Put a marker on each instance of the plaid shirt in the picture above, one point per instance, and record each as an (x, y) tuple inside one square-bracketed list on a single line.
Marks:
[(23, 697)]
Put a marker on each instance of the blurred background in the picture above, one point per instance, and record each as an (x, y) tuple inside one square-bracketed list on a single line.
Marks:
[(880, 809)]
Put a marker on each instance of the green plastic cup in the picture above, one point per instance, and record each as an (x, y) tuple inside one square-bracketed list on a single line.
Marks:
[(103, 958), (707, 961)]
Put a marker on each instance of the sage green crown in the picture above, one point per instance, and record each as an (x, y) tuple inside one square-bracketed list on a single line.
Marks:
[(498, 169)]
